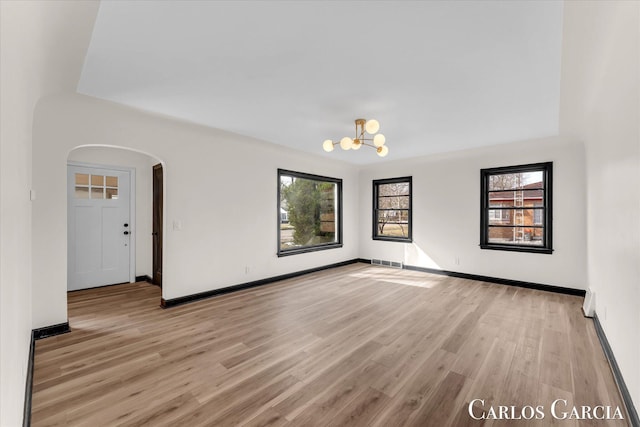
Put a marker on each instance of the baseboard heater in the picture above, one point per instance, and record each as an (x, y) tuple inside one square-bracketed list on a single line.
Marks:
[(385, 263)]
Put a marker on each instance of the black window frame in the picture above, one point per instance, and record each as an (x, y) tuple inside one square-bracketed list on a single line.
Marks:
[(547, 208), (320, 247), (375, 209)]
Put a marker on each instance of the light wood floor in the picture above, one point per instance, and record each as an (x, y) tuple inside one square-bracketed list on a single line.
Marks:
[(356, 345)]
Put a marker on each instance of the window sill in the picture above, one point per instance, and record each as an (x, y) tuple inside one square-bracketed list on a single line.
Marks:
[(514, 248), (296, 251), (393, 239)]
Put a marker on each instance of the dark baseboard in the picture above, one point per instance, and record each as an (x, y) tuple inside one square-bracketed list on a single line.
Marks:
[(617, 375), (50, 331), (36, 334), (145, 278), (509, 282), (168, 303)]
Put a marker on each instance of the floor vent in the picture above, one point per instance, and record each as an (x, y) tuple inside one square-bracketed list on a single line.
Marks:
[(386, 263)]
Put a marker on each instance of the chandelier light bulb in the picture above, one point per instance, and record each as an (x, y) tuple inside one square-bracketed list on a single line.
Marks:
[(328, 145), (356, 144), (379, 140), (346, 143), (383, 151), (372, 126)]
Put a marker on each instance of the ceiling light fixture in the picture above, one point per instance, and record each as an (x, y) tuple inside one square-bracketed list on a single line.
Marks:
[(372, 139)]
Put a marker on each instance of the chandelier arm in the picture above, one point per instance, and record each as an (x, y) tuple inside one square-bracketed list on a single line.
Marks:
[(360, 130)]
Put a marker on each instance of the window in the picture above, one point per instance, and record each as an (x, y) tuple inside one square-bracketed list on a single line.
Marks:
[(392, 209), (96, 186), (516, 208), (309, 212)]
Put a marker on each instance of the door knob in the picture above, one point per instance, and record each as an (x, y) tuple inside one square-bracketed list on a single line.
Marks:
[(126, 232), (126, 225)]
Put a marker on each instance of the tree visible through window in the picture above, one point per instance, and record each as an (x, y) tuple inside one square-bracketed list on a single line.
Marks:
[(309, 212), (516, 208), (392, 209)]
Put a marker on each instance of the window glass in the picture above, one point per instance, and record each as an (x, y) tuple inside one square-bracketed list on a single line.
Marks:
[(82, 179), (97, 192), (82, 193), (97, 180), (516, 180), (309, 212), (112, 181), (111, 193)]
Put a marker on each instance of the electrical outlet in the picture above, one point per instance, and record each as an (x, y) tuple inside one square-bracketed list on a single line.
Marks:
[(247, 269), (457, 260)]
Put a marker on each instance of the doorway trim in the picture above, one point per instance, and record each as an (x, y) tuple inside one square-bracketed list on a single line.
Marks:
[(132, 208), (157, 226)]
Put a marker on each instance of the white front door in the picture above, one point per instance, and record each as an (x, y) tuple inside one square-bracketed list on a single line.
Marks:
[(99, 226)]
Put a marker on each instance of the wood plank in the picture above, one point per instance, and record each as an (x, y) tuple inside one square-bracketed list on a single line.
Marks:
[(313, 390), (340, 395), (362, 409), (441, 407)]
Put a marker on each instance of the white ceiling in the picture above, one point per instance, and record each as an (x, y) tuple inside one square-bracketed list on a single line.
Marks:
[(439, 76)]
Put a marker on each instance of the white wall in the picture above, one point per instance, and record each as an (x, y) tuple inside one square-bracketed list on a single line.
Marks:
[(143, 165), (446, 214), (600, 105), (222, 187), (42, 48)]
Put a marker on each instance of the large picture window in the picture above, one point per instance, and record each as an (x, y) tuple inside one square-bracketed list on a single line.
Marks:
[(309, 212), (392, 209), (516, 208)]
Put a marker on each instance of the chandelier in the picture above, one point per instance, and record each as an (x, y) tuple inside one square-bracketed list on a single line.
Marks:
[(366, 134)]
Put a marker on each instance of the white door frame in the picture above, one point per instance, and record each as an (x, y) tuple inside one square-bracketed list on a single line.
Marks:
[(132, 209)]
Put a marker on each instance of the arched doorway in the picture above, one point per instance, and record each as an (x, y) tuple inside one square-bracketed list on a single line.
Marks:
[(103, 228)]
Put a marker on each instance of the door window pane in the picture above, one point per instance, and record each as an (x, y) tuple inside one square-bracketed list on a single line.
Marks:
[(82, 179), (112, 181), (112, 193), (97, 193), (82, 193), (97, 180)]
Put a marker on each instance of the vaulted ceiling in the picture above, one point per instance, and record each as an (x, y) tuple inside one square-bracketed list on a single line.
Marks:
[(438, 76)]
